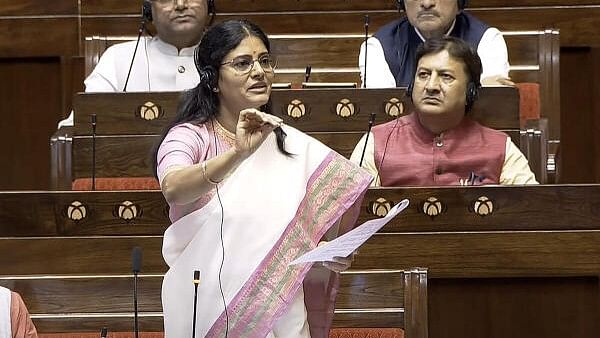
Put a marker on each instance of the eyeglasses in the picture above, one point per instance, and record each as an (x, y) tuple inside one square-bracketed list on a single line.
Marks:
[(244, 64)]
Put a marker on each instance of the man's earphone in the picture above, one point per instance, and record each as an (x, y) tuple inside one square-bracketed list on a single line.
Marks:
[(472, 93), (461, 4), (147, 9)]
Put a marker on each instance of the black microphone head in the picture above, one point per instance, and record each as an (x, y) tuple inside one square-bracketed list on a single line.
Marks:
[(196, 275), (93, 119), (103, 332), (307, 73), (136, 259), (366, 20)]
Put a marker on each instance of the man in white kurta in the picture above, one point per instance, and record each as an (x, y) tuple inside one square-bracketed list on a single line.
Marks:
[(162, 63)]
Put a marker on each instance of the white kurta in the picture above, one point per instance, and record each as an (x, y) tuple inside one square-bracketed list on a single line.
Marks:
[(5, 326), (158, 66)]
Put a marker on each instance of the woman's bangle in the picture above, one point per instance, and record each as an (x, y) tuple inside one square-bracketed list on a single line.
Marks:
[(206, 178)]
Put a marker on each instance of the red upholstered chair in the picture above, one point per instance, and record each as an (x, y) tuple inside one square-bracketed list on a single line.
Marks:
[(366, 333), (117, 183), (529, 101)]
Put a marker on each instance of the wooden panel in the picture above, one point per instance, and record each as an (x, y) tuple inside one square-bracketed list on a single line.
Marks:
[(524, 208), (576, 24), (56, 37), (116, 323), (53, 213), (577, 163), (85, 294), (518, 307), (367, 320), (30, 108), (225, 6), (38, 7), (83, 255), (116, 156), (370, 290), (487, 254)]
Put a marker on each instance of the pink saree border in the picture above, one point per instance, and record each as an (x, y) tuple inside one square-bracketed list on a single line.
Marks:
[(331, 190)]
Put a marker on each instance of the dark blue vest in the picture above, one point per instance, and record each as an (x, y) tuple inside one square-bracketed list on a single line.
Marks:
[(400, 41)]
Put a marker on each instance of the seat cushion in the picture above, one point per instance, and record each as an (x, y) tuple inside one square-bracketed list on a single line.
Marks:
[(366, 333), (117, 183)]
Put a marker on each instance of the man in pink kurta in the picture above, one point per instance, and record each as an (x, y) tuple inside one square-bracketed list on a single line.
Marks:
[(15, 321), (438, 144)]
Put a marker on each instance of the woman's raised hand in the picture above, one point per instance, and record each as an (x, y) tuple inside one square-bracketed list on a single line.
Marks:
[(252, 129)]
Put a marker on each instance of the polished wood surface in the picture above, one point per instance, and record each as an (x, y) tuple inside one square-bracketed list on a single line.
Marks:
[(530, 268), (338, 117)]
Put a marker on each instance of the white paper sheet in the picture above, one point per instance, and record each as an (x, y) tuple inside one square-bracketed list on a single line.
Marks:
[(348, 243)]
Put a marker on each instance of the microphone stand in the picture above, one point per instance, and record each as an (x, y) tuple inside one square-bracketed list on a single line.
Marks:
[(371, 121), (93, 152), (307, 73), (196, 281), (140, 32), (137, 263)]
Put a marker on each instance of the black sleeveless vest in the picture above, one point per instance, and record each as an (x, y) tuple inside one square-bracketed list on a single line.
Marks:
[(400, 41)]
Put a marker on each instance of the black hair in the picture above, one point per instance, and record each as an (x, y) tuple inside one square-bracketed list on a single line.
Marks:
[(461, 51), (201, 103)]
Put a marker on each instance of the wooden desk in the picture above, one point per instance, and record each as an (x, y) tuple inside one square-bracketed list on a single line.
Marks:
[(129, 124), (528, 269)]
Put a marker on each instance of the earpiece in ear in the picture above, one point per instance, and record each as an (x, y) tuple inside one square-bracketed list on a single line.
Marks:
[(147, 11), (211, 7), (208, 77), (472, 94), (409, 90), (400, 5)]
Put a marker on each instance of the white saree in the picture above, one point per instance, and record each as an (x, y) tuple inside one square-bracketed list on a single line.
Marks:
[(275, 209)]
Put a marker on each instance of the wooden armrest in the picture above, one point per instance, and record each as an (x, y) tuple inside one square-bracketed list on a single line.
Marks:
[(60, 159), (534, 145)]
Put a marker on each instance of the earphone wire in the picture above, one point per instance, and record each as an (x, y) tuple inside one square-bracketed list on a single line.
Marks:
[(222, 241), (387, 140)]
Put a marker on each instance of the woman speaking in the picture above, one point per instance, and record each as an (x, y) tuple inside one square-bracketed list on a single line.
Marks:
[(247, 195)]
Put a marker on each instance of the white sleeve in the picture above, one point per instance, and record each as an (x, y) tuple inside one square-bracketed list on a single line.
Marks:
[(379, 74), (369, 160), (493, 53), (515, 169), (104, 78)]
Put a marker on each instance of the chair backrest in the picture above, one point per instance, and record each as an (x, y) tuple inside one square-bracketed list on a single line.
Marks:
[(379, 298), (533, 55)]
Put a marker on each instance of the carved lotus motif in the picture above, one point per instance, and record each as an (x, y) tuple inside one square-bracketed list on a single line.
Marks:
[(394, 107), (150, 111), (296, 109), (433, 207), (345, 108), (482, 206), (380, 207), (76, 211), (127, 211)]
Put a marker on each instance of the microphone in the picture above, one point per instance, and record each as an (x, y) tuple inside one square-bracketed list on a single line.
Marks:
[(371, 121), (307, 73), (196, 281), (93, 151), (137, 43), (103, 332), (366, 49), (136, 259)]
